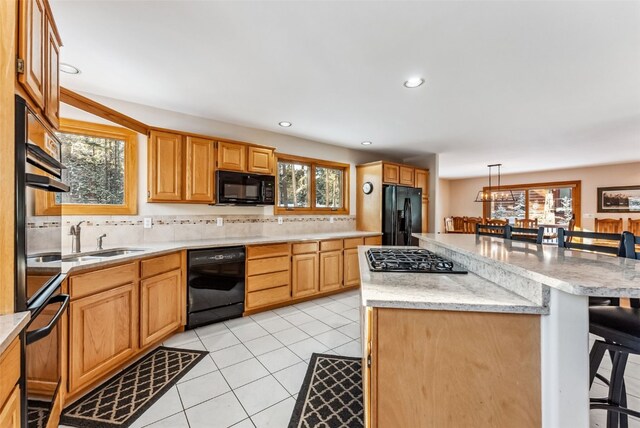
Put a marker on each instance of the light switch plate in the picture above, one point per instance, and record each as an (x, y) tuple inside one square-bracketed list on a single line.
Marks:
[(147, 223), (280, 221), (331, 219), (219, 221)]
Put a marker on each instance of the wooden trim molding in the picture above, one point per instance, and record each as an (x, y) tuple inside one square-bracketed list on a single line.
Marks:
[(47, 205), (83, 103), (576, 196), (313, 163)]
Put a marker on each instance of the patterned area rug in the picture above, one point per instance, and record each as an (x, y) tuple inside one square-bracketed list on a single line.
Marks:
[(118, 402), (38, 414), (331, 394)]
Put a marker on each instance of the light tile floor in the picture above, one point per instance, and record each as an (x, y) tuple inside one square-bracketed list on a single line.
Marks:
[(256, 365)]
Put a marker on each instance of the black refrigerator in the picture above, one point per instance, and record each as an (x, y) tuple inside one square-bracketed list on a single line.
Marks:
[(401, 215)]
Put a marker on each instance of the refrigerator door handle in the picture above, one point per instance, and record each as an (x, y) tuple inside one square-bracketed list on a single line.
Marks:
[(408, 227)]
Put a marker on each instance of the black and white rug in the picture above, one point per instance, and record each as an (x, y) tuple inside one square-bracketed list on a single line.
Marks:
[(118, 402), (331, 394)]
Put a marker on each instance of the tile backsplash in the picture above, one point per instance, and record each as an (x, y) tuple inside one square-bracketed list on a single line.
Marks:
[(129, 230)]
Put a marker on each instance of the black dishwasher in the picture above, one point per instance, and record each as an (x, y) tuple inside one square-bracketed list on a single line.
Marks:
[(215, 291)]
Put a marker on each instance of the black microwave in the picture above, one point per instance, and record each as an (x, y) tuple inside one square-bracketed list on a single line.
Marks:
[(239, 188)]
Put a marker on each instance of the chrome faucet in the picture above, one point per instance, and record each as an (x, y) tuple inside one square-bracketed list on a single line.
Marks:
[(75, 241), (99, 244)]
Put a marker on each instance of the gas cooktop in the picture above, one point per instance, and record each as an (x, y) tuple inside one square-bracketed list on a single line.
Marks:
[(409, 260)]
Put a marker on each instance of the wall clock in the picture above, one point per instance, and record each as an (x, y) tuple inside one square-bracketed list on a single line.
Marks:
[(367, 188)]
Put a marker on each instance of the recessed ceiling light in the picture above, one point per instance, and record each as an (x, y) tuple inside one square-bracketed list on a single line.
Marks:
[(285, 124), (69, 69), (366, 143), (414, 82)]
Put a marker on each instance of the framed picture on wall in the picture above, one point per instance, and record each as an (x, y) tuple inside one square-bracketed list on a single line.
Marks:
[(621, 199)]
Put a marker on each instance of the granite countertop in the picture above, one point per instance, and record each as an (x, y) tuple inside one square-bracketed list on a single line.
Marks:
[(570, 271), (452, 292), (10, 326), (155, 249)]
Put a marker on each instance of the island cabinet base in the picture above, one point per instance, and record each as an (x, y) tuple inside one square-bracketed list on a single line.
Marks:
[(427, 368)]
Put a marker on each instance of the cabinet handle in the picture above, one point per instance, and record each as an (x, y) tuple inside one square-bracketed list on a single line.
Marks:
[(369, 361)]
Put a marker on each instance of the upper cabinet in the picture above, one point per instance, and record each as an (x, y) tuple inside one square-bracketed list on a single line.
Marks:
[(39, 58), (406, 176), (180, 168), (245, 158), (390, 173), (232, 156), (422, 181)]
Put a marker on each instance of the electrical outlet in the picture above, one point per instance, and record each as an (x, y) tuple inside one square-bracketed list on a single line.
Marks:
[(147, 223), (331, 219), (280, 221), (219, 221)]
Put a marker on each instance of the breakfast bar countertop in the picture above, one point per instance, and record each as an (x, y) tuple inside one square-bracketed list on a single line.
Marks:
[(575, 272), (439, 291), (10, 326)]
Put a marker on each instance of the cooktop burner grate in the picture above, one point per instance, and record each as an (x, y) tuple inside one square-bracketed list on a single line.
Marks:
[(409, 260)]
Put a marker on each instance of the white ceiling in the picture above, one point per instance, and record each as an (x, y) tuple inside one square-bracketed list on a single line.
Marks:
[(534, 85)]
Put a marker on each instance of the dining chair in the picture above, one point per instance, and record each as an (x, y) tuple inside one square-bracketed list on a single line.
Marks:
[(496, 222), (608, 243), (631, 245), (608, 225), (633, 226), (496, 231), (527, 223), (448, 224), (469, 225)]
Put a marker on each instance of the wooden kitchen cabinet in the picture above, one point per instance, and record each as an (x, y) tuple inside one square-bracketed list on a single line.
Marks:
[(42, 358), (10, 410), (390, 173), (160, 306), (330, 270), (351, 267), (422, 181), (164, 163), (199, 169), (261, 160), (406, 176), (268, 275), (9, 372), (304, 275), (52, 82), (32, 42), (103, 333), (232, 156)]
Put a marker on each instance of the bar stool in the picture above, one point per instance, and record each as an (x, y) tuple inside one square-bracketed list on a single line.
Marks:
[(620, 329)]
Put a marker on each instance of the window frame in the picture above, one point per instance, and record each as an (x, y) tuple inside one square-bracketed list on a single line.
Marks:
[(48, 206), (576, 195), (312, 209)]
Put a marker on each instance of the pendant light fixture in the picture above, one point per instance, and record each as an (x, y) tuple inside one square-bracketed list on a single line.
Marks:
[(494, 194)]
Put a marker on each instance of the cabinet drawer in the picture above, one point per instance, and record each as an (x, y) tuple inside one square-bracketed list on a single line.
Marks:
[(269, 265), (267, 280), (305, 247), (332, 245), (9, 370), (373, 240), (260, 251), (353, 242), (268, 297), (103, 279), (159, 265)]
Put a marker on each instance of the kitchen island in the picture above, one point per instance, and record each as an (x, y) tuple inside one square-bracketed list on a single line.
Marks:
[(505, 345)]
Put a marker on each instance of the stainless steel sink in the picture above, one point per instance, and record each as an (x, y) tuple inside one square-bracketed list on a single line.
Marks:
[(44, 258), (79, 258), (116, 252)]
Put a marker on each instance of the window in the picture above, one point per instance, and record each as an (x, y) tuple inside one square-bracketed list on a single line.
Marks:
[(549, 203), (312, 186), (101, 170)]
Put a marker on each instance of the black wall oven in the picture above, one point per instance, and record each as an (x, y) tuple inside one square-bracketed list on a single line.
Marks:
[(38, 262), (237, 188)]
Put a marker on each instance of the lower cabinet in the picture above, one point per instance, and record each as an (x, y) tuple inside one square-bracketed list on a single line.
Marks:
[(10, 411), (304, 275), (351, 267), (330, 270), (160, 306), (103, 333)]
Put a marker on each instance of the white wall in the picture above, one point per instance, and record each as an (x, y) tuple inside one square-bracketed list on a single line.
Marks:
[(182, 122), (430, 162), (462, 193)]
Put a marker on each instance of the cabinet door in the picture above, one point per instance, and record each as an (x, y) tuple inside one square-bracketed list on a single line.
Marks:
[(42, 358), (391, 173), (330, 270), (52, 84), (103, 333), (32, 49), (406, 176), (366, 315), (199, 186), (165, 166), (351, 268), (10, 413), (232, 156), (160, 306), (422, 181), (304, 275), (261, 160)]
